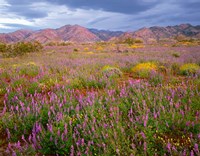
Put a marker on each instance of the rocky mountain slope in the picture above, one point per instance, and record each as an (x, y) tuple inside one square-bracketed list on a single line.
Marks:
[(161, 33), (76, 33)]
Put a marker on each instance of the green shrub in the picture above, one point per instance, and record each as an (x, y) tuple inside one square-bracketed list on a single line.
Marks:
[(34, 88), (17, 125), (3, 48), (20, 48), (111, 72), (75, 50), (52, 143), (189, 69), (176, 54), (175, 69)]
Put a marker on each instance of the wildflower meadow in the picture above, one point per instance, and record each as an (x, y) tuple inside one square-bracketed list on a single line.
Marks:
[(87, 100)]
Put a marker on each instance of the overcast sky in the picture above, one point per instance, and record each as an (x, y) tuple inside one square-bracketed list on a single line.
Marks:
[(123, 15)]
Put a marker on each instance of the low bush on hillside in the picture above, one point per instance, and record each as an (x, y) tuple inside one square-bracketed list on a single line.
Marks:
[(109, 72), (19, 49)]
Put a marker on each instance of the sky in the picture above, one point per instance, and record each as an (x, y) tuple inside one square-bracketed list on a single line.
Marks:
[(125, 15)]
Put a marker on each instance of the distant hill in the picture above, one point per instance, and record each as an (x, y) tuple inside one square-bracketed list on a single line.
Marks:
[(157, 33), (106, 35), (67, 33), (16, 36), (76, 33)]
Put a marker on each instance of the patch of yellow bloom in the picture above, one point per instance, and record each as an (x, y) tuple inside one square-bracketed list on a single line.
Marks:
[(31, 63), (144, 69), (137, 46), (90, 52), (99, 48), (86, 49)]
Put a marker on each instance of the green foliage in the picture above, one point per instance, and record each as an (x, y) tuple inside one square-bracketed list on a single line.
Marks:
[(29, 70), (129, 41), (176, 54), (155, 79), (3, 48), (18, 125), (175, 68), (21, 82), (20, 48), (3, 86), (81, 83), (60, 146), (34, 88), (111, 72), (75, 50)]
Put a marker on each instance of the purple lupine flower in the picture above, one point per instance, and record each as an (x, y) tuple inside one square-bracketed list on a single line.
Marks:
[(28, 109), (50, 127), (8, 133), (51, 139), (191, 153), (196, 148), (58, 132), (143, 135), (82, 141), (145, 146), (154, 115), (169, 146), (29, 138)]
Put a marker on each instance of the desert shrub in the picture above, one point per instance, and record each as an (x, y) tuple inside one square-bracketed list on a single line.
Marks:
[(143, 70), (175, 68), (138, 41), (189, 69), (111, 72), (3, 48), (162, 69), (176, 54), (75, 50), (129, 41), (21, 48)]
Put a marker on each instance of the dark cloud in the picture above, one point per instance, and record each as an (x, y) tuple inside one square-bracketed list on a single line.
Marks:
[(25, 9), (120, 6), (130, 14), (27, 12)]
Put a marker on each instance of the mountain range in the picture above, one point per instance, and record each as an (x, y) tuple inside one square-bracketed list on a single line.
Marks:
[(76, 33)]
